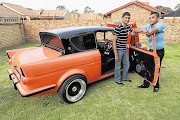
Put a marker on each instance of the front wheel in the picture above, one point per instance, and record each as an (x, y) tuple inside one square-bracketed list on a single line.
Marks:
[(73, 89)]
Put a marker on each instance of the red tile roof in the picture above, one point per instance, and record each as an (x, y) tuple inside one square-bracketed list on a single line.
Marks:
[(53, 12), (17, 8), (13, 10), (141, 4), (5, 12), (36, 12)]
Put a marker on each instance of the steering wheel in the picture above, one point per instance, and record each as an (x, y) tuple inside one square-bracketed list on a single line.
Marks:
[(108, 47), (106, 41), (138, 45)]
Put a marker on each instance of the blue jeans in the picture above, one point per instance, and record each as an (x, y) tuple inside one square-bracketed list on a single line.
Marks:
[(123, 56)]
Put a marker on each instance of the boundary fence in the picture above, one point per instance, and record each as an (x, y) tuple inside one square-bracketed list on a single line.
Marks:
[(10, 20)]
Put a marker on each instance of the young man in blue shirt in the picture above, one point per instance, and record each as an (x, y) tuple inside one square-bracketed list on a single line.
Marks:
[(158, 28)]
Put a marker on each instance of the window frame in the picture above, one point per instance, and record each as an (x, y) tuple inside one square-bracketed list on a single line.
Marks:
[(84, 34), (104, 35)]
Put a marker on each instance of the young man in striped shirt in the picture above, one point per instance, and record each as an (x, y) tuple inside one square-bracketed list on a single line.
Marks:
[(121, 33)]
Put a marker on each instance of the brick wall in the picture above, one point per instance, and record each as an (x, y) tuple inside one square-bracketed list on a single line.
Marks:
[(14, 34), (33, 27), (172, 30), (139, 14), (11, 34)]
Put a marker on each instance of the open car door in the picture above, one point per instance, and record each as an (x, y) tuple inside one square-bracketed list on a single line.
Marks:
[(145, 63)]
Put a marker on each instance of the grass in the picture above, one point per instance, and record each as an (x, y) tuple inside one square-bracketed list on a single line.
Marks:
[(104, 100)]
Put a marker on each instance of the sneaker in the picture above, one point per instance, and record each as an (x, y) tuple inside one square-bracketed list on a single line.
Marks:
[(142, 86), (120, 83), (127, 80), (155, 89)]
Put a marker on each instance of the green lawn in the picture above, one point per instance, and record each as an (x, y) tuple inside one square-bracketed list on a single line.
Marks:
[(104, 100)]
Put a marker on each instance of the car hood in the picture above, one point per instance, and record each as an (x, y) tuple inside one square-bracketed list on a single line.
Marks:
[(36, 54)]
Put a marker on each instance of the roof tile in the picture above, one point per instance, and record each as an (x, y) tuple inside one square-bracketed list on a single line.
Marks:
[(146, 6)]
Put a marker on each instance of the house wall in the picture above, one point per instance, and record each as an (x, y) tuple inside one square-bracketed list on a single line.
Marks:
[(11, 34), (33, 27), (14, 34), (141, 16), (172, 30), (67, 15), (88, 16)]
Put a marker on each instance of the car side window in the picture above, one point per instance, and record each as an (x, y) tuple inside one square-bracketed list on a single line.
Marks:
[(77, 43), (83, 42), (89, 41), (106, 35)]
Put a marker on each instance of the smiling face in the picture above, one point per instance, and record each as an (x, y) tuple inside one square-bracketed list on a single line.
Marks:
[(126, 19), (153, 19)]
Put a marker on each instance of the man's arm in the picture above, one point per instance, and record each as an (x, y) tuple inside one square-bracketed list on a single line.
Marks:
[(115, 48), (159, 27), (138, 30), (153, 30), (132, 33), (150, 31)]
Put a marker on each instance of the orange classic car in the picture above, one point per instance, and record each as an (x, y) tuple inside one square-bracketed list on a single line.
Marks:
[(66, 61)]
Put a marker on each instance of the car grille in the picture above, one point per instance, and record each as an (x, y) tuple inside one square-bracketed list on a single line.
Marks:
[(17, 74)]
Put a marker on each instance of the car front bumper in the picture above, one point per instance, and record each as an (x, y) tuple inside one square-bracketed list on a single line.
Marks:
[(29, 93)]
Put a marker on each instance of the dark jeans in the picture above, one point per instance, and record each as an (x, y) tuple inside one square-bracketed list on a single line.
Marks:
[(160, 53)]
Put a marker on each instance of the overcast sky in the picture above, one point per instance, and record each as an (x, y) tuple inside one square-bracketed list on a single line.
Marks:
[(99, 6)]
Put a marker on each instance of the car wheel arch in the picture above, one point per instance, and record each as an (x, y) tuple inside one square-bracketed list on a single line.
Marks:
[(69, 74)]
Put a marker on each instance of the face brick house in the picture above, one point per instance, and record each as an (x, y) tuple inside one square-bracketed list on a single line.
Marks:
[(139, 11), (12, 10)]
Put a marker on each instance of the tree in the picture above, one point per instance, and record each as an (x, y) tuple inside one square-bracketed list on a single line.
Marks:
[(99, 14), (60, 7), (87, 9), (74, 11), (29, 8), (177, 7), (166, 9)]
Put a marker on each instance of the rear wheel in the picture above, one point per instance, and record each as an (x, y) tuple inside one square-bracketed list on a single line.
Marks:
[(73, 89)]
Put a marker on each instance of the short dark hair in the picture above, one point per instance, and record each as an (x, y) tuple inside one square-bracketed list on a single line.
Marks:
[(126, 14), (156, 13)]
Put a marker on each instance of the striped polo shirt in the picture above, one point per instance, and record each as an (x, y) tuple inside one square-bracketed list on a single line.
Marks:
[(122, 33)]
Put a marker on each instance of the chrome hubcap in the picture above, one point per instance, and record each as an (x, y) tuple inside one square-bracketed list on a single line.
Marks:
[(76, 90)]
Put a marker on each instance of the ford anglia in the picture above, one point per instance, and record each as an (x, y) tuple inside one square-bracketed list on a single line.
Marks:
[(66, 61)]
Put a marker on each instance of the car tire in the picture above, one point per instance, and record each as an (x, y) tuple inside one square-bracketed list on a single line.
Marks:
[(73, 89)]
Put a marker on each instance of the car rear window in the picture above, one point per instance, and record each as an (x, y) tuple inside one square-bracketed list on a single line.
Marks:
[(52, 40), (56, 42)]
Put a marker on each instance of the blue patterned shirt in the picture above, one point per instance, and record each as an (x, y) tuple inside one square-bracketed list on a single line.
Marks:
[(159, 35)]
